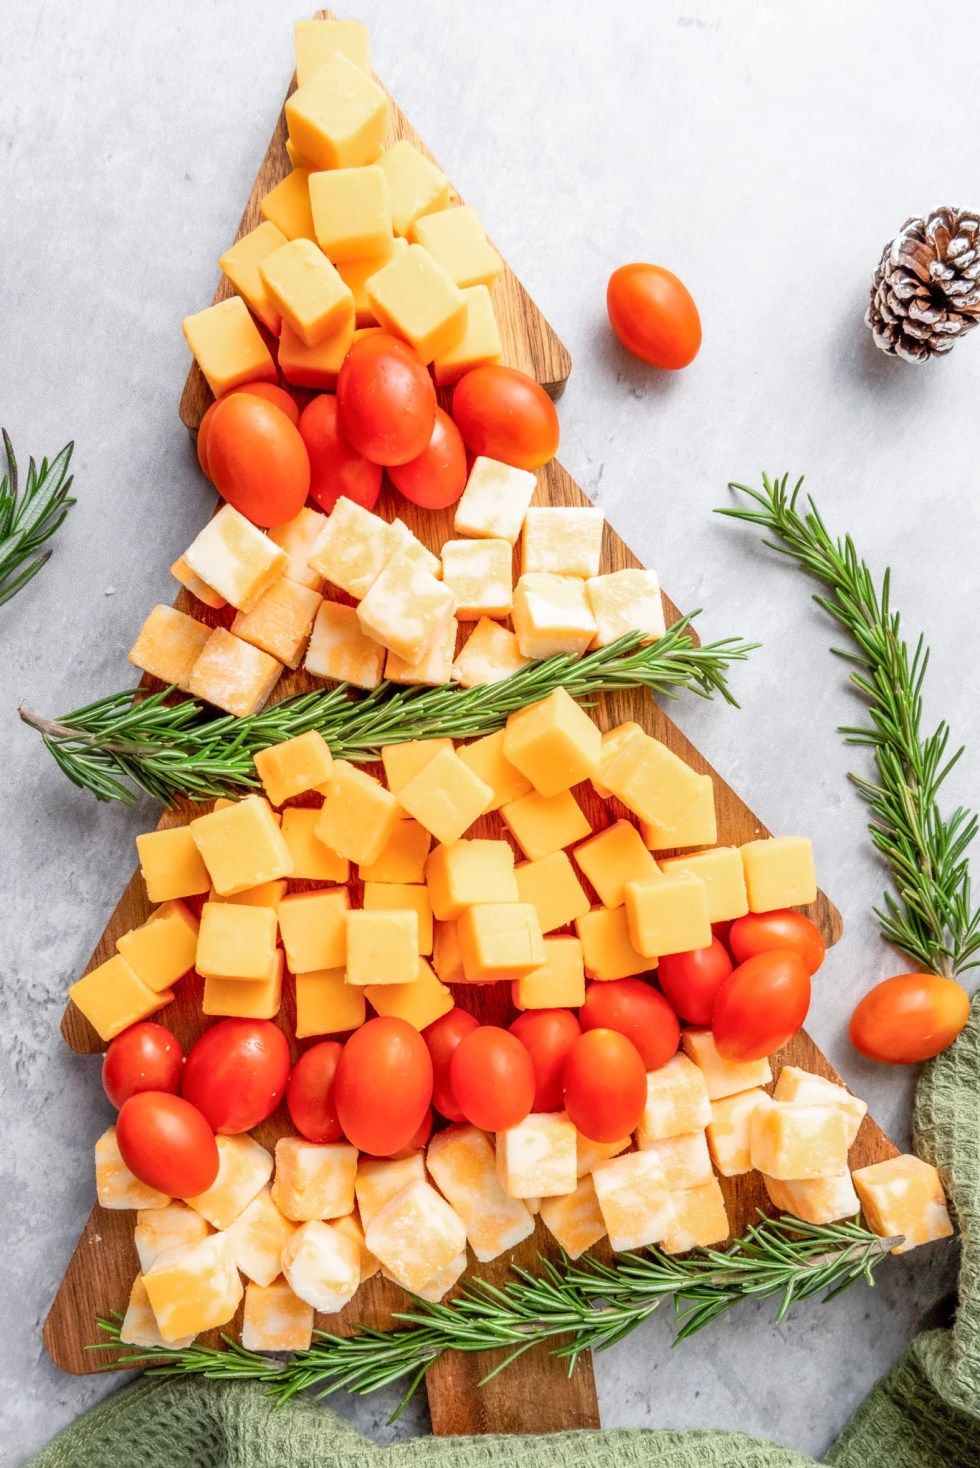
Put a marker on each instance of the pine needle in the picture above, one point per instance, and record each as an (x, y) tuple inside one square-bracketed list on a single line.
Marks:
[(30, 517)]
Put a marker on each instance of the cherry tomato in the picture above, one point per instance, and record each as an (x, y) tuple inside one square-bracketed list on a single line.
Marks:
[(909, 1018), (437, 477), (441, 1038), (492, 1076), (335, 468), (654, 315), (309, 1093), (420, 1139), (761, 1005), (386, 399), (692, 980), (257, 460), (506, 415), (268, 390), (146, 1057), (637, 1011), (236, 1074), (761, 932), (605, 1085), (167, 1144), (547, 1035), (383, 1086)]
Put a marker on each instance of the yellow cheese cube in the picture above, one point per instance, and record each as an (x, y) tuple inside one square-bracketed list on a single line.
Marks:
[(478, 572), (358, 817), (729, 1131), (298, 538), (816, 1200), (171, 864), (414, 297), (489, 654), (536, 1157), (319, 366), (613, 857), (405, 607), (379, 1179), (326, 1004), (287, 206), (296, 159), (723, 1077), (338, 117), (553, 743), (181, 572), (479, 343), (236, 558), (649, 779), (112, 997), (313, 928), (495, 500), (575, 1219), (312, 861), (351, 212), (626, 601), (465, 872), (543, 824), (791, 1141), (500, 941), (280, 621), (257, 1238), (356, 273), (314, 1179), (589, 1154), (486, 758), (236, 942), (308, 291), (241, 846), (563, 539), (416, 1234), (447, 956), (354, 547), (702, 1219), (420, 1002), (163, 949), (322, 1267), (317, 41), (404, 856), (551, 615), (463, 1166), (794, 1084), (194, 1288), (228, 346), (244, 1168), (266, 894), (275, 1319), (697, 825), (724, 882), (115, 1185), (404, 761), (684, 1158), (160, 1229), (445, 797), (168, 645), (246, 998), (351, 1228), (668, 914), (233, 675), (903, 1195), (606, 946), (240, 264), (339, 650), (559, 983), (779, 873), (434, 667), (677, 1101), (553, 890), (634, 1200), (294, 766), (139, 1326), (398, 896), (456, 239), (415, 185), (382, 947), (612, 741)]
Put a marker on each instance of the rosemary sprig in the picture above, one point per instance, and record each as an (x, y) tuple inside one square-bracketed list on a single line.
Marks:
[(179, 749), (929, 914), (588, 1305), (29, 519)]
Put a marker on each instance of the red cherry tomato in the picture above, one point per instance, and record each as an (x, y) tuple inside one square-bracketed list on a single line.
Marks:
[(146, 1057), (909, 1018), (547, 1035), (386, 399), (309, 1093), (236, 1073), (268, 390), (761, 1005), (257, 460), (420, 1139), (335, 468), (654, 315), (506, 415), (167, 1144), (492, 1076), (605, 1085), (383, 1086), (437, 477), (637, 1011), (761, 932), (691, 980), (441, 1038)]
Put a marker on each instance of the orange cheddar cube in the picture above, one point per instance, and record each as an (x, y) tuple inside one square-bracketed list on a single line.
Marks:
[(275, 1319), (447, 956), (551, 615), (445, 797), (233, 675), (613, 857), (613, 740), (398, 896), (677, 1101), (500, 941), (414, 297), (456, 240), (794, 1084), (815, 1200), (244, 1168), (115, 1185), (337, 119), (404, 856), (559, 983), (240, 264), (168, 645), (702, 1219), (729, 1131), (543, 824), (317, 366), (317, 41), (478, 345), (650, 780), (313, 1179), (634, 1200), (171, 864), (266, 894), (553, 743), (112, 997), (193, 1289), (163, 949), (606, 945), (791, 1141), (287, 206), (696, 827), (322, 1266), (553, 890), (246, 998), (382, 947), (236, 942), (294, 766), (486, 758), (415, 185), (723, 1077), (257, 1238), (903, 1195), (313, 927), (404, 761), (358, 816), (236, 558), (139, 1326), (351, 212), (779, 873), (326, 1004), (307, 290), (479, 573), (312, 861), (298, 538), (241, 846), (463, 1165), (575, 1219), (724, 882), (626, 601), (228, 346), (356, 273), (420, 1002), (684, 1158), (340, 651), (668, 914), (469, 871)]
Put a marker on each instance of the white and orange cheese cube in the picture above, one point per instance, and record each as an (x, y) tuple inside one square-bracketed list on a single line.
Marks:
[(487, 760), (462, 1162), (415, 1235), (439, 1285), (241, 846), (358, 816), (779, 872), (479, 574), (613, 857), (326, 1004), (729, 1131), (257, 1238), (790, 1141), (168, 645), (434, 667), (163, 948), (160, 1229), (702, 1219), (794, 1084), (542, 824), (815, 1200), (405, 607), (322, 1266), (115, 1185), (244, 1168), (589, 1154), (382, 947), (112, 997), (171, 864), (275, 1318), (228, 346), (684, 1158), (340, 651), (488, 655), (606, 946), (351, 1228), (298, 538), (626, 601), (554, 743), (419, 1002), (562, 539), (354, 547), (417, 299), (379, 1179), (677, 1101), (724, 882), (445, 797), (575, 1219), (337, 118), (415, 185), (560, 981), (313, 1179), (236, 558), (723, 1077), (193, 1288), (139, 1325), (536, 1158), (495, 501), (551, 615), (903, 1195), (668, 914), (233, 675), (281, 621), (553, 890), (181, 572), (461, 873), (312, 861), (403, 858), (634, 1200)]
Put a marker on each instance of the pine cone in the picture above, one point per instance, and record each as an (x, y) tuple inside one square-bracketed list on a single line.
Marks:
[(926, 291)]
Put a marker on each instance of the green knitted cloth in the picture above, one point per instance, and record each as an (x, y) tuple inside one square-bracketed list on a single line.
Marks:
[(924, 1414)]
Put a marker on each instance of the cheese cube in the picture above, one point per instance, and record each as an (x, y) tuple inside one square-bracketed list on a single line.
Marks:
[(287, 206), (379, 1179), (613, 857), (634, 1200), (486, 758), (403, 857), (351, 212), (696, 827), (702, 1219), (445, 797), (228, 346), (139, 1326), (163, 949), (723, 1077), (193, 1288), (240, 264), (903, 1195), (294, 766), (358, 816), (112, 997), (488, 655), (236, 942), (312, 861), (356, 273), (794, 1084), (326, 1004), (500, 941), (415, 185), (244, 1168), (779, 873), (553, 890), (298, 538), (543, 824), (495, 501), (684, 1158), (313, 927), (419, 1003), (553, 743), (397, 896), (339, 650), (275, 1319), (447, 956), (818, 1200), (416, 1234), (280, 622), (463, 1165), (404, 761), (236, 558), (246, 998), (160, 1229), (478, 572), (317, 366), (479, 343), (562, 539), (322, 1266), (257, 1238), (551, 615), (317, 41), (405, 607), (677, 1101), (181, 572), (441, 1282), (626, 601), (338, 117), (455, 238), (606, 946), (241, 845), (115, 1185), (575, 1219), (313, 1179), (233, 675), (414, 297), (613, 740), (434, 667), (721, 872), (668, 914), (351, 1228), (168, 645), (382, 947), (791, 1141), (266, 894), (650, 780), (559, 983), (589, 1154), (536, 1158), (171, 864), (729, 1131), (309, 293)]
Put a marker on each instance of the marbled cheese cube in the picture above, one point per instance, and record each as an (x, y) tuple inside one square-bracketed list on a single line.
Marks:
[(139, 1326), (181, 572), (240, 266), (562, 539), (542, 824), (702, 1219), (495, 501), (318, 41), (354, 547), (402, 896), (415, 185), (487, 760), (551, 615), (794, 1084), (415, 1235), (168, 645), (729, 1131), (724, 882), (326, 1004), (340, 651), (298, 538), (379, 1179), (382, 947), (445, 797), (613, 857), (816, 1200), (405, 607), (779, 872), (314, 1179), (723, 1077), (233, 675), (434, 667), (684, 1158), (589, 1154), (352, 1228), (553, 890), (280, 621), (461, 873), (634, 1200), (112, 997), (575, 1219), (668, 914), (244, 1168), (276, 1319), (236, 942), (554, 743), (462, 1163), (559, 983), (479, 343), (677, 1101), (439, 1285), (903, 1195), (193, 1288), (228, 346), (696, 826), (115, 1185), (414, 297), (162, 949), (246, 998), (420, 1002), (626, 601), (358, 816), (456, 239), (313, 926), (536, 1158), (404, 761), (160, 1229), (312, 861), (479, 574), (488, 655), (322, 1266), (351, 212), (287, 206), (499, 941), (257, 1238), (236, 558), (171, 864), (404, 856), (606, 946), (790, 1141)]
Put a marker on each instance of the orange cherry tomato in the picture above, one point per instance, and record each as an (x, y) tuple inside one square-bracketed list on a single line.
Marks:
[(547, 1035), (761, 932), (386, 399), (336, 469), (909, 1018), (441, 1039), (635, 1010), (691, 980), (605, 1085), (506, 415), (437, 477), (272, 393), (257, 460), (309, 1094), (654, 315), (236, 1073), (383, 1086), (761, 1005), (167, 1144), (492, 1076), (146, 1057)]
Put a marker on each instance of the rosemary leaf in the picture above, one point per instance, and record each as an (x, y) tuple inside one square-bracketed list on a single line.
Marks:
[(29, 518)]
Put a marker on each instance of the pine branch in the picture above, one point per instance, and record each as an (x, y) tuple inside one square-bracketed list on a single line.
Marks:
[(929, 914), (29, 518)]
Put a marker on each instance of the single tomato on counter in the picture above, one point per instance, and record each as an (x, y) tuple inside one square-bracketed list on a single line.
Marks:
[(386, 399), (547, 1035), (506, 415), (909, 1018), (761, 932), (605, 1085), (257, 459), (691, 980), (492, 1076), (167, 1144), (437, 477), (383, 1086), (636, 1010), (309, 1093), (441, 1039), (336, 469), (654, 315), (761, 1005), (146, 1057), (236, 1074)]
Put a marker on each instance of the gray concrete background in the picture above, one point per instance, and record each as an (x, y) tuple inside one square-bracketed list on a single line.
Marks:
[(764, 152)]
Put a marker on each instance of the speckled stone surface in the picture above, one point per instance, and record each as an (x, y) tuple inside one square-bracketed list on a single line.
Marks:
[(764, 152)]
